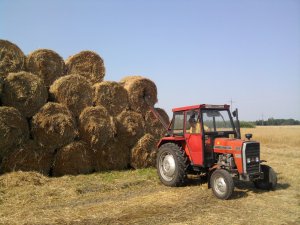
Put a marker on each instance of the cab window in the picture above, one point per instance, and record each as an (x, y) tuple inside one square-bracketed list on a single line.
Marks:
[(192, 124), (178, 123)]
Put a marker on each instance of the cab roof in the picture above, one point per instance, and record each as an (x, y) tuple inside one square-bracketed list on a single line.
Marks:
[(202, 106)]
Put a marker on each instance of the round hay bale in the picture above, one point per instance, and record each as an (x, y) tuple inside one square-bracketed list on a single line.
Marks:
[(88, 64), (143, 154), (12, 59), (24, 91), (138, 89), (153, 125), (113, 156), (73, 159), (1, 88), (13, 129), (28, 157), (53, 126), (96, 127), (47, 64), (112, 96), (130, 127), (74, 91)]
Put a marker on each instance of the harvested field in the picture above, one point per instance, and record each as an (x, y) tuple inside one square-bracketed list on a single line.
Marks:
[(74, 91), (137, 196), (28, 157), (53, 126), (88, 64), (12, 59), (47, 64), (112, 95), (138, 89), (24, 91), (96, 127), (130, 127), (13, 129), (75, 158)]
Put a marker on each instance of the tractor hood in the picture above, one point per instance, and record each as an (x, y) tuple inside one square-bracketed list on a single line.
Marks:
[(228, 145)]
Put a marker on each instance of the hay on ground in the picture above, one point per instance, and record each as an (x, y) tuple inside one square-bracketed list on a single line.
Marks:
[(130, 127), (20, 179), (74, 91), (153, 125), (53, 126), (96, 127), (115, 155), (112, 96), (12, 59), (88, 64), (28, 157), (47, 64), (13, 129), (143, 154), (24, 91), (138, 89), (73, 159)]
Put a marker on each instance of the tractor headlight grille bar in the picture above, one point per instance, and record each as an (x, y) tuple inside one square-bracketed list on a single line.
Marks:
[(251, 157)]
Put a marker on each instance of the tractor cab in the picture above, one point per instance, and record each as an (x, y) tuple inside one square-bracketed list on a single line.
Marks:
[(197, 127)]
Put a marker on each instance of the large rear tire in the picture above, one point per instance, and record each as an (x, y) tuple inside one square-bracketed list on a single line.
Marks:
[(171, 165), (269, 180), (222, 184)]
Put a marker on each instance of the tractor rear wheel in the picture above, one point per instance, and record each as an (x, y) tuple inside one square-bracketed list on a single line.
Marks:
[(171, 165), (269, 181), (221, 183)]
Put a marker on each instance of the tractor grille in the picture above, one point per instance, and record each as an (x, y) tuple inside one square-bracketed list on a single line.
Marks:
[(251, 152)]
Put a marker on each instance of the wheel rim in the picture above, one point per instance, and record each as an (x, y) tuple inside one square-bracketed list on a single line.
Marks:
[(220, 185), (167, 166)]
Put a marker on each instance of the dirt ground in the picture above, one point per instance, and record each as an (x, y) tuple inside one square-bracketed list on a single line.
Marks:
[(137, 197)]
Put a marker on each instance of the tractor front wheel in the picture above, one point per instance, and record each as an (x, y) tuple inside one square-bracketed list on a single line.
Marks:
[(171, 165), (269, 180), (221, 183)]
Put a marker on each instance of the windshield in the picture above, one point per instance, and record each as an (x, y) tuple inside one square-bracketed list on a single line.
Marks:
[(216, 120)]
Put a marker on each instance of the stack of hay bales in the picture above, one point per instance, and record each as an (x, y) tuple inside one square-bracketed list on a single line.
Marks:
[(59, 117)]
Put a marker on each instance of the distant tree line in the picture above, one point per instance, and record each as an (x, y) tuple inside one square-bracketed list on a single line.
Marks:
[(277, 122)]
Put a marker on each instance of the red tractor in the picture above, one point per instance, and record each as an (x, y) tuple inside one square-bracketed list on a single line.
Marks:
[(204, 139)]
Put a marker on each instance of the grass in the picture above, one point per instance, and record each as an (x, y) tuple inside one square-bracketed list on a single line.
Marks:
[(137, 196)]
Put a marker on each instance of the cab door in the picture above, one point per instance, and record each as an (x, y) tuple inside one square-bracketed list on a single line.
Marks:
[(193, 137)]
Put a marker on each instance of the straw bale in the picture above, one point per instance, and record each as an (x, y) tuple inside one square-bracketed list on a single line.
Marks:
[(28, 157), (138, 89), (96, 127), (53, 126), (113, 156), (13, 129), (12, 59), (112, 96), (88, 64), (73, 159), (74, 91), (24, 91), (21, 179), (143, 154), (153, 125), (130, 127), (47, 64)]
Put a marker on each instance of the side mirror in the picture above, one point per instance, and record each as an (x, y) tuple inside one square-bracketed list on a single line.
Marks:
[(234, 113), (248, 136)]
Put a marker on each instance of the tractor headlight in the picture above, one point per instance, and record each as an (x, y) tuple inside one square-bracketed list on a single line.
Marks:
[(257, 159), (248, 160)]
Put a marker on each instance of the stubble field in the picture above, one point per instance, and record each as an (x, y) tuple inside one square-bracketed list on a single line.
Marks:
[(137, 196)]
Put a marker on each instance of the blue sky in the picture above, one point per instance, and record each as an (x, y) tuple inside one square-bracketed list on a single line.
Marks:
[(195, 51)]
